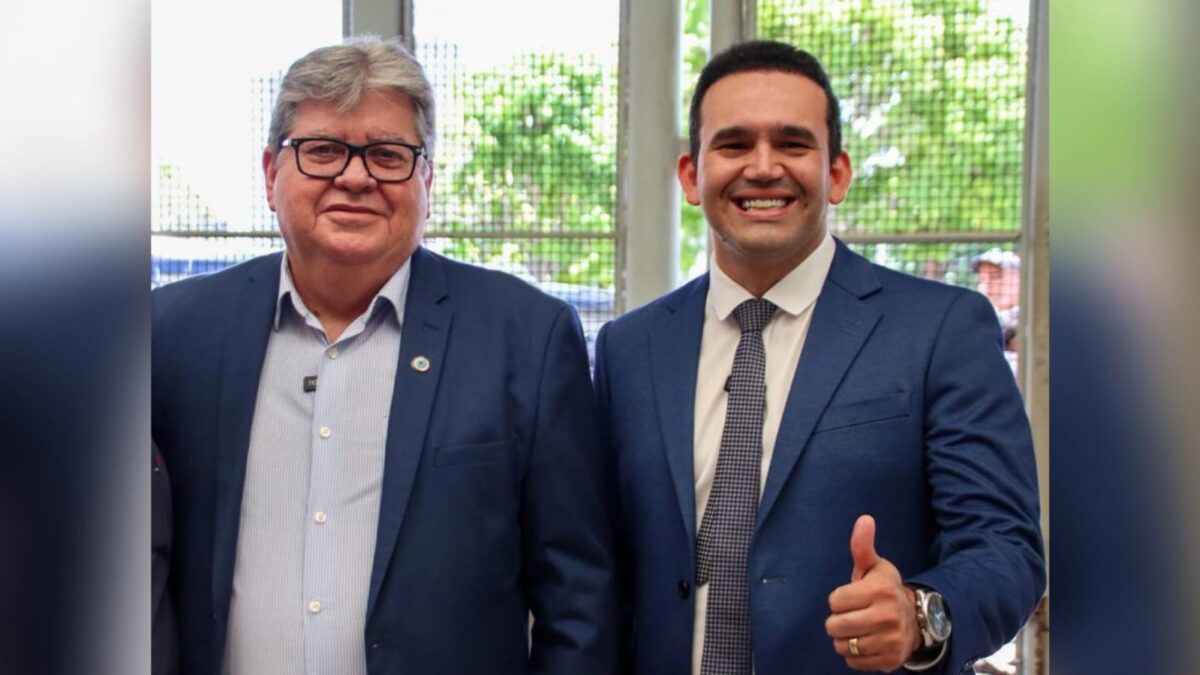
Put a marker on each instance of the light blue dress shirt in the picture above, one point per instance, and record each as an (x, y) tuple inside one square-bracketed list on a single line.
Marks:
[(310, 505)]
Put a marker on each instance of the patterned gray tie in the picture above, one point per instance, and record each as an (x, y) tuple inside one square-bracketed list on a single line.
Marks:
[(723, 542)]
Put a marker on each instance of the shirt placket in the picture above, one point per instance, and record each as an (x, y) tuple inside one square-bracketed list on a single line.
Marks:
[(328, 444)]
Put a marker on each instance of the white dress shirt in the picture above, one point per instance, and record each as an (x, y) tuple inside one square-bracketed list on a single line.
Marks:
[(795, 295)]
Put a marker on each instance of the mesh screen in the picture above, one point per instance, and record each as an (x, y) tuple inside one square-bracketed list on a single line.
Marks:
[(526, 171), (174, 257), (933, 107), (932, 95), (525, 178), (189, 236), (527, 154)]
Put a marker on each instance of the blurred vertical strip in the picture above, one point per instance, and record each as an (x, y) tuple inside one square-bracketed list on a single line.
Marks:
[(1123, 339), (74, 209)]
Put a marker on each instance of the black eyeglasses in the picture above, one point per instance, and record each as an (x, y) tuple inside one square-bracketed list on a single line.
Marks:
[(386, 162)]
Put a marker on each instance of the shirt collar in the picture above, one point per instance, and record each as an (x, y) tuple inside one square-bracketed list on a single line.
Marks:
[(793, 294), (391, 294)]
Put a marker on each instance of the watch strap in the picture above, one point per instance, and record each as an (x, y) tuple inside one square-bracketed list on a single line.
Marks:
[(919, 664)]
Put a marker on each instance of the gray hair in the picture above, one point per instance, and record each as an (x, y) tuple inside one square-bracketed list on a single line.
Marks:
[(342, 74)]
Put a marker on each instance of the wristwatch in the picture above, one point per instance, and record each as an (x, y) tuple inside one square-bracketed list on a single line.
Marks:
[(932, 618)]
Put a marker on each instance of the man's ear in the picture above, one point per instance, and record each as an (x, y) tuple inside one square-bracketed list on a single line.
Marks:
[(428, 179), (840, 174), (685, 168), (269, 171)]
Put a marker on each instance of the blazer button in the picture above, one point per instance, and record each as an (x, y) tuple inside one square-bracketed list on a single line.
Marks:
[(685, 589)]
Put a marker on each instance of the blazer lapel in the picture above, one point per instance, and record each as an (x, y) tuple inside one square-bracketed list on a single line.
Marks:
[(675, 353), (427, 319), (840, 326), (243, 350)]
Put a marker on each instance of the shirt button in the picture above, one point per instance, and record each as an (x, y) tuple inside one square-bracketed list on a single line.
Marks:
[(325, 432), (332, 352), (314, 606), (319, 517)]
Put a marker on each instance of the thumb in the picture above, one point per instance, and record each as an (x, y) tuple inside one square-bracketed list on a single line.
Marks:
[(862, 547)]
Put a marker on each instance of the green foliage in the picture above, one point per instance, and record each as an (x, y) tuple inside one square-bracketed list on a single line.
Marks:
[(932, 93), (933, 105), (696, 33), (693, 240), (539, 140)]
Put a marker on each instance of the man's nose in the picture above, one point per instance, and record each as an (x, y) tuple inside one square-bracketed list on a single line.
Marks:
[(355, 177), (763, 163)]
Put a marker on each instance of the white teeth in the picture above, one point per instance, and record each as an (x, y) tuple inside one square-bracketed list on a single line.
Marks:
[(749, 204)]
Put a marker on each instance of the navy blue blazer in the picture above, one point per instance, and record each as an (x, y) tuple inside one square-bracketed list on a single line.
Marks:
[(902, 406), (164, 657), (494, 497)]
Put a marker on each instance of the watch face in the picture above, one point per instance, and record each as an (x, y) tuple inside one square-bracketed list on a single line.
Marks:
[(935, 614)]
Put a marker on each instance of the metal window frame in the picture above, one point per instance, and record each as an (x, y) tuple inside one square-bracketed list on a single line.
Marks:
[(385, 18), (647, 190)]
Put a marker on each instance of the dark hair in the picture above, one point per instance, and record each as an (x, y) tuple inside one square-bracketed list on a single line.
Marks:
[(765, 56)]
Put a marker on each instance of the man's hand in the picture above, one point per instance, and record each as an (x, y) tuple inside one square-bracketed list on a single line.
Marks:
[(875, 607)]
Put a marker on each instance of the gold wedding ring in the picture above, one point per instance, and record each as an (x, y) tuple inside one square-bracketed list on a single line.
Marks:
[(854, 646)]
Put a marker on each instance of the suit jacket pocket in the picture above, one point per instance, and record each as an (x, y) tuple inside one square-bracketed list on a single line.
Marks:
[(862, 412), (475, 453)]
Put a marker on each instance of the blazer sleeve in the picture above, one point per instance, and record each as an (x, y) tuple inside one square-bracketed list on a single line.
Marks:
[(983, 483), (567, 536), (624, 571)]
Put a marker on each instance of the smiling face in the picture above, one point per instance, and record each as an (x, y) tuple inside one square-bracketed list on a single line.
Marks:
[(763, 175), (352, 220)]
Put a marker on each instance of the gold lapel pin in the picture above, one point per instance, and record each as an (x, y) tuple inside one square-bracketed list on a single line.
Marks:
[(420, 364)]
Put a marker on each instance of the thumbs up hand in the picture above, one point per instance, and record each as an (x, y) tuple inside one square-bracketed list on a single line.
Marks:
[(875, 614), (862, 547)]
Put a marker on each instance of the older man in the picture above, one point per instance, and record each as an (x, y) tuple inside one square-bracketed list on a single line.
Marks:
[(383, 460), (823, 465)]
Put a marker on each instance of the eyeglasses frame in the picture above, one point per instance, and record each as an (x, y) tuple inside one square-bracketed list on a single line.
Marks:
[(355, 151)]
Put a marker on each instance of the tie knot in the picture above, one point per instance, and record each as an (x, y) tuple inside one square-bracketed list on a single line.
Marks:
[(753, 314)]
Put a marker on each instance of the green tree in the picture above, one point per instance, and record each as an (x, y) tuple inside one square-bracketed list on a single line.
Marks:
[(933, 105), (539, 139), (693, 230)]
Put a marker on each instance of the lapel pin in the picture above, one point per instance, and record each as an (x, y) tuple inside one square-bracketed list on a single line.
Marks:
[(420, 364)]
